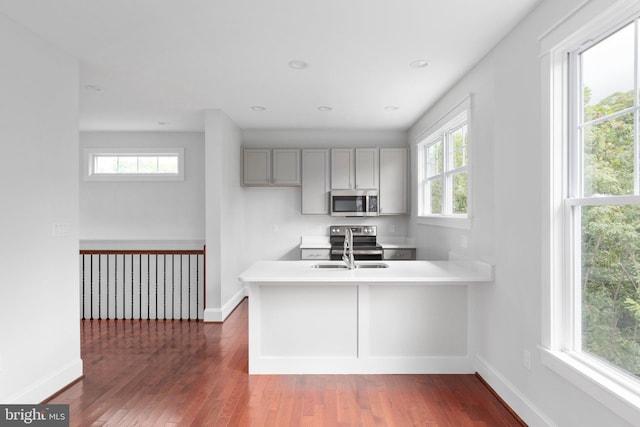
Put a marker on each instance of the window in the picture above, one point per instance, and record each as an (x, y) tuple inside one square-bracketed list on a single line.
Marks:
[(592, 333), (443, 186), (134, 164), (603, 200)]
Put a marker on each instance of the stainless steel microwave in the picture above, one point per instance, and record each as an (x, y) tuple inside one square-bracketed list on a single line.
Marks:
[(354, 203)]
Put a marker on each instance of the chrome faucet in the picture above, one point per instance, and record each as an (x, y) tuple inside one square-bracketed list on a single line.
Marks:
[(347, 252)]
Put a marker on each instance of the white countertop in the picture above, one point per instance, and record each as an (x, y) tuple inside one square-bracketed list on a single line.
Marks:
[(409, 272)]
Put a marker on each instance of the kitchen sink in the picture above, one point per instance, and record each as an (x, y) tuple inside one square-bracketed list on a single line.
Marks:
[(344, 266), (373, 265), (330, 266)]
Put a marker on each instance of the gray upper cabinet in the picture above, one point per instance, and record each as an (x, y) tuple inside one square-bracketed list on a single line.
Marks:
[(320, 170), (354, 169), (367, 169), (342, 169), (315, 181), (257, 166), (271, 167), (394, 175), (286, 166)]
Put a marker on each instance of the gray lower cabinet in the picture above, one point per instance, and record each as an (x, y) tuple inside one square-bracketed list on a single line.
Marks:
[(402, 254), (315, 253)]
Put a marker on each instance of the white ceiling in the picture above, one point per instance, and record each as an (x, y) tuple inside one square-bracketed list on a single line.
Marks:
[(168, 60)]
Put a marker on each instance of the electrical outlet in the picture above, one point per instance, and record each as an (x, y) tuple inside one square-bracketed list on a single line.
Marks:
[(526, 359), (464, 241), (392, 228), (276, 228)]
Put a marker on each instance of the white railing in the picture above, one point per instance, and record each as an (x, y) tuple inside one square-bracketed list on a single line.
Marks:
[(142, 284)]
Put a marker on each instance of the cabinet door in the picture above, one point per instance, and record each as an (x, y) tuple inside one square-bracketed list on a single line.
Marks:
[(323, 254), (257, 166), (286, 166), (393, 181), (342, 169), (367, 168), (399, 254), (315, 181)]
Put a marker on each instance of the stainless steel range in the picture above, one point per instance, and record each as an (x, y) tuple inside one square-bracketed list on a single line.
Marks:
[(365, 245)]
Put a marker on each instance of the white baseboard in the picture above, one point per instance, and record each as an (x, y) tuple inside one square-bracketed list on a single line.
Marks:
[(220, 314), (530, 413), (48, 386)]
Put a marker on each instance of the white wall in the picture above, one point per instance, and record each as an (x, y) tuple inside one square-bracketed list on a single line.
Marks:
[(145, 210), (507, 225), (39, 328), (436, 242), (225, 213)]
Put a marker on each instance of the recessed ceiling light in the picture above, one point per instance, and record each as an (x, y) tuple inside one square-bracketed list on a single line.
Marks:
[(391, 108), (325, 108), (258, 108), (94, 88), (297, 64), (419, 63)]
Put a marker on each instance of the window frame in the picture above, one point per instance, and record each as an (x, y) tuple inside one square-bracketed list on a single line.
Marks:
[(456, 118), (561, 317), (91, 153)]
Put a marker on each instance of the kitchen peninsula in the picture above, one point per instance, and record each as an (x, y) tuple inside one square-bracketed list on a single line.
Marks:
[(400, 317)]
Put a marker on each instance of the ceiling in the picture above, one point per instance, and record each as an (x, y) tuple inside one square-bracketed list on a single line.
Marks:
[(158, 64)]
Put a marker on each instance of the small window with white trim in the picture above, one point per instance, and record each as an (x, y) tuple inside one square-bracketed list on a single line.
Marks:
[(134, 164), (443, 169)]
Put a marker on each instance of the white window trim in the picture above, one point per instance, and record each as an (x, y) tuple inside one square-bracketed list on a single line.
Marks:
[(460, 221), (91, 152), (615, 390)]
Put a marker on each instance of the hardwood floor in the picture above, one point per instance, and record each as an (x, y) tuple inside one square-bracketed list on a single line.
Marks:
[(170, 373)]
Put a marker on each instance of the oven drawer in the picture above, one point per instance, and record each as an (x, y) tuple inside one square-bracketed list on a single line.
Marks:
[(315, 253), (400, 254)]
